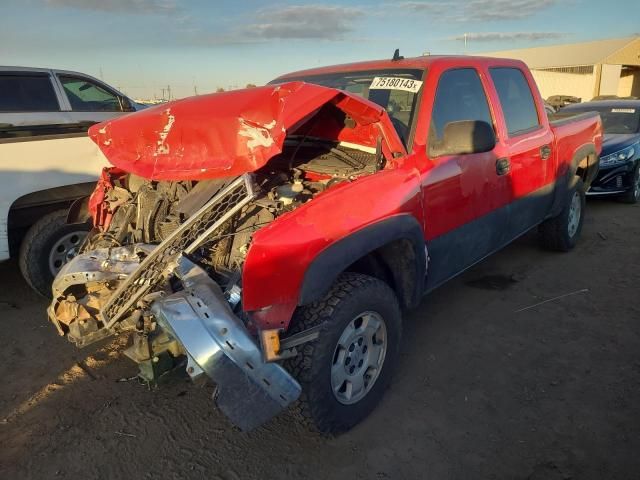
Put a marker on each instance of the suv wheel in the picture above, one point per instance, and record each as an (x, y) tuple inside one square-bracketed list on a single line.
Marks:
[(47, 246), (561, 232), (346, 371)]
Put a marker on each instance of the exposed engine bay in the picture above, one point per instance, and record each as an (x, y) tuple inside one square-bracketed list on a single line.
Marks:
[(146, 229), (148, 212), (143, 212)]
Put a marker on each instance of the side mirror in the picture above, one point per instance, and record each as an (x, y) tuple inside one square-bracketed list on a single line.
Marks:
[(463, 137)]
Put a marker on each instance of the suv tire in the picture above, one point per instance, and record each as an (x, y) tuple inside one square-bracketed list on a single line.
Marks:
[(49, 244)]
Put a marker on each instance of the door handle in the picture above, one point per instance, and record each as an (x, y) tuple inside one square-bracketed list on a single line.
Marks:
[(545, 152), (503, 166)]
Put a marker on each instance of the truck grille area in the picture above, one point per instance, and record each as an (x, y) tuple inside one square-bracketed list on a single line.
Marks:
[(197, 229)]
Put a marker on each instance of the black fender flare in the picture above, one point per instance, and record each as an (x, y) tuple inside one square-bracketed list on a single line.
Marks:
[(334, 259), (568, 181)]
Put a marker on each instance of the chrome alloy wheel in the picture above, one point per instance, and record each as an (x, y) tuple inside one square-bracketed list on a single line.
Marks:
[(64, 249), (636, 185), (358, 357), (575, 212)]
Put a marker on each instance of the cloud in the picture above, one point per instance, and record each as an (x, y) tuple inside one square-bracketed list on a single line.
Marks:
[(293, 22), (507, 36), (478, 10), (119, 6), (303, 22)]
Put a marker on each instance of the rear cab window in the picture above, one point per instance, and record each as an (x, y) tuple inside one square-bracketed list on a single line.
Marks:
[(516, 100), (459, 96), (87, 96), (27, 92)]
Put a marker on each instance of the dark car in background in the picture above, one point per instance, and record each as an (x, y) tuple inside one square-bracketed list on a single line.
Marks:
[(620, 158)]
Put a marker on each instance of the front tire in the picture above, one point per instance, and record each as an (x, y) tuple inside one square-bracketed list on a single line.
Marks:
[(345, 372), (561, 232), (47, 246)]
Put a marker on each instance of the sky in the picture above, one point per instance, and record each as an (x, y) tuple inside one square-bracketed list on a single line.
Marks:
[(196, 46)]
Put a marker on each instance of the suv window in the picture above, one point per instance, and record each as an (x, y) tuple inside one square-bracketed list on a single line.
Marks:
[(87, 96), (516, 99), (459, 96), (27, 93)]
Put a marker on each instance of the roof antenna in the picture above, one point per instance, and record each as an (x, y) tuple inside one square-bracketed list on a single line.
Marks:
[(397, 56)]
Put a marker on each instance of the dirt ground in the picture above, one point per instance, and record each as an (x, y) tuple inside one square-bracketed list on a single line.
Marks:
[(482, 391)]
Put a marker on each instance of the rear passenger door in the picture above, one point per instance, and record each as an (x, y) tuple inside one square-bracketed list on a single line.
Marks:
[(29, 104), (466, 199), (529, 142)]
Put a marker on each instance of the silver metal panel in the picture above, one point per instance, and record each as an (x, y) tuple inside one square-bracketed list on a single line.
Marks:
[(250, 391)]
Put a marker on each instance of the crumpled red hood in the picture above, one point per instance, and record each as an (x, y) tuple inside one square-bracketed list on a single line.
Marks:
[(225, 134)]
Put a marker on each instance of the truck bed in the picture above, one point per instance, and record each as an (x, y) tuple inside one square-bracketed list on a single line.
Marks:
[(572, 133)]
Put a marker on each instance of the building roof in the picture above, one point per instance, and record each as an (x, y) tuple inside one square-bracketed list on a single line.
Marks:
[(615, 51)]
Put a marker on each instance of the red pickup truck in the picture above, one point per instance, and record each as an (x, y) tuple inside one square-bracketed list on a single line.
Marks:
[(270, 238)]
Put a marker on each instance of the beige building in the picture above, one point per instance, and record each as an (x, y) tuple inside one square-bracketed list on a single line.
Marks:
[(585, 70)]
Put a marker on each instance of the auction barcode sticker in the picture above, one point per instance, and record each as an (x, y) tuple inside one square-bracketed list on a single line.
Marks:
[(395, 83)]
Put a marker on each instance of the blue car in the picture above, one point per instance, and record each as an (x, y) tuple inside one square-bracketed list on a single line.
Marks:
[(620, 158)]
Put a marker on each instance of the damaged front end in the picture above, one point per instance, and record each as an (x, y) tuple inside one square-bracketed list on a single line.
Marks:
[(175, 309), (174, 222)]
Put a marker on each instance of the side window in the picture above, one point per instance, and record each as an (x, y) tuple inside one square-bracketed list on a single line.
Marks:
[(516, 99), (459, 96), (87, 96), (27, 93)]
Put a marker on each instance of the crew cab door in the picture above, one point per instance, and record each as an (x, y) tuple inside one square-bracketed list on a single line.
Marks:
[(528, 143), (465, 196)]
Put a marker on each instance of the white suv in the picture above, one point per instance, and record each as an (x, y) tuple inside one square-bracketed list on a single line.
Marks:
[(47, 162)]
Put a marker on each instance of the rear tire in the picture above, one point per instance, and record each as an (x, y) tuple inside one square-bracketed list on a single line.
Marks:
[(47, 246), (633, 195), (561, 232), (359, 345)]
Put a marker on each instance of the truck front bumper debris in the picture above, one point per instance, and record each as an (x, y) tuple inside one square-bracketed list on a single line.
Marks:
[(249, 390), (197, 322), (85, 284)]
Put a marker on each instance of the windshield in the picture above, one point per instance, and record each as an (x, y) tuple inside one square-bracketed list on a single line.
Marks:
[(617, 120), (395, 90)]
